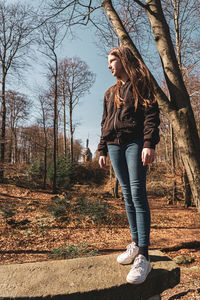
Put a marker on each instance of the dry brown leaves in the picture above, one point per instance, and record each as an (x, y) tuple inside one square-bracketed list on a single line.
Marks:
[(29, 231)]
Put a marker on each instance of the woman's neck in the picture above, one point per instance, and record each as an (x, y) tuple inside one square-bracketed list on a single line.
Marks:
[(123, 77)]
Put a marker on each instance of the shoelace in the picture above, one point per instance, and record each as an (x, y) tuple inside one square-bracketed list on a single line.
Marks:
[(130, 248), (138, 263)]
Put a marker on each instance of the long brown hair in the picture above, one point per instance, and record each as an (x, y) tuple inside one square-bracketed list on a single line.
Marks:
[(138, 73)]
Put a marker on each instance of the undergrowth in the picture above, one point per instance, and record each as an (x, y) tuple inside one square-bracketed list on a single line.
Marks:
[(97, 211), (72, 251)]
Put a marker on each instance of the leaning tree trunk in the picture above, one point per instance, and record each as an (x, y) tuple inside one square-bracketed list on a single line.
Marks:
[(182, 119), (178, 110)]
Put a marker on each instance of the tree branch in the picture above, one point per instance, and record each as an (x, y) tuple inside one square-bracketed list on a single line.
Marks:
[(91, 11), (141, 4), (178, 93)]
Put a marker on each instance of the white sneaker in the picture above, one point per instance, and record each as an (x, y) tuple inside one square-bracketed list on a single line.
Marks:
[(139, 271), (128, 256)]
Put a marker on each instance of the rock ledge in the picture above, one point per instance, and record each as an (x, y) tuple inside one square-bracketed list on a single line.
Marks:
[(92, 278)]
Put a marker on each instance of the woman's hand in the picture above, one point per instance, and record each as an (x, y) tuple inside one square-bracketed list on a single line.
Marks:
[(102, 161), (148, 156)]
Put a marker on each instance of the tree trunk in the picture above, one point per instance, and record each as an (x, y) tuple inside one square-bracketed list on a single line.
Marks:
[(116, 188), (174, 191), (55, 131), (176, 5), (187, 191), (10, 148), (64, 125), (45, 167), (111, 178), (166, 153), (178, 110), (15, 146), (3, 127), (71, 132), (45, 159)]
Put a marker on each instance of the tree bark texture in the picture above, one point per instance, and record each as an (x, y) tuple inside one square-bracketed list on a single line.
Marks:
[(178, 109)]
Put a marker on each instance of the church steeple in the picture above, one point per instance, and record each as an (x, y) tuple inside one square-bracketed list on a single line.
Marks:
[(87, 143), (87, 154)]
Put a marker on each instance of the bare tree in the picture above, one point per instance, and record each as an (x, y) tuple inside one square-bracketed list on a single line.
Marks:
[(182, 17), (75, 80), (50, 39), (18, 107), (15, 39), (44, 121)]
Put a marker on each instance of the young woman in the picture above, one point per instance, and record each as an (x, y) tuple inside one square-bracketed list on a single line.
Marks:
[(129, 133)]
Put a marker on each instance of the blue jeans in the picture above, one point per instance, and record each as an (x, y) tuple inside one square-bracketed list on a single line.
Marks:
[(127, 164)]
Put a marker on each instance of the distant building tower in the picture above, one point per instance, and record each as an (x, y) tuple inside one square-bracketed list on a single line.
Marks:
[(87, 154)]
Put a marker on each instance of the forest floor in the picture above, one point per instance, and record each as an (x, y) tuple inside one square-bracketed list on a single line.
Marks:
[(38, 226)]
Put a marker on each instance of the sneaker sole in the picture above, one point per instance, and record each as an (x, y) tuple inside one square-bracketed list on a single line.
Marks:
[(140, 281)]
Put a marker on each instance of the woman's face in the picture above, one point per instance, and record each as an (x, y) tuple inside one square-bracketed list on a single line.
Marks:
[(115, 66)]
